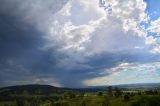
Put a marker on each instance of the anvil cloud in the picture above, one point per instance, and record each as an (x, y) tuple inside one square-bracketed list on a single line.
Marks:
[(77, 43)]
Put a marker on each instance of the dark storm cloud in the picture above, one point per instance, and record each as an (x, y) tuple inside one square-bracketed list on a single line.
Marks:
[(23, 61), (98, 64), (21, 58), (20, 49)]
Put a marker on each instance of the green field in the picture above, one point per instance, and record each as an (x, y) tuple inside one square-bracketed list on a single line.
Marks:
[(92, 100), (51, 96)]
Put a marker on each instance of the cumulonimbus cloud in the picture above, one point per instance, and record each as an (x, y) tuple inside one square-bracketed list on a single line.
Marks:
[(81, 38)]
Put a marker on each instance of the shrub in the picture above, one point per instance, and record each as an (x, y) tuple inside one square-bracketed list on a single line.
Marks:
[(126, 98)]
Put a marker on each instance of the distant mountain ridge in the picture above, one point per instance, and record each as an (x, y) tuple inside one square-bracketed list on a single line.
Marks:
[(139, 85), (32, 89), (136, 85), (48, 89)]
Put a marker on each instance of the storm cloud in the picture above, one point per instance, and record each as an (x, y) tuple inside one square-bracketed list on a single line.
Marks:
[(74, 43)]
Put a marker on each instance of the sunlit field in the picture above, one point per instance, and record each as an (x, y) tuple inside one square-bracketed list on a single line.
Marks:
[(111, 96)]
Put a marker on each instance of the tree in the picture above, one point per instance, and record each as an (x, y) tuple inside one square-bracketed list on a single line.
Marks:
[(81, 94), (69, 94), (126, 98), (99, 93), (117, 92), (110, 91), (139, 93)]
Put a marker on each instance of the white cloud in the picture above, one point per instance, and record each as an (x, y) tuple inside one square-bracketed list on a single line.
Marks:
[(154, 40), (154, 27), (89, 29), (75, 29), (156, 50), (83, 26), (150, 40)]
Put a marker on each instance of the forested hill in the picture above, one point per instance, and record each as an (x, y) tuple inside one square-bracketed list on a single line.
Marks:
[(35, 89), (31, 89)]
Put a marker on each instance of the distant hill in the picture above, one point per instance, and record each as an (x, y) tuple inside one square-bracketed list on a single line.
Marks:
[(138, 85), (47, 89), (31, 89), (35, 89)]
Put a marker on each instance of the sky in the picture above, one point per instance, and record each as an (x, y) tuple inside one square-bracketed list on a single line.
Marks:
[(79, 43)]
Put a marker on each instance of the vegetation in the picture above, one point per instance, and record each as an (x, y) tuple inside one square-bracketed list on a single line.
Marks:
[(48, 96)]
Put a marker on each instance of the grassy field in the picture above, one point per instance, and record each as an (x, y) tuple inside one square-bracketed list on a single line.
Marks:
[(107, 101), (46, 96), (146, 100)]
